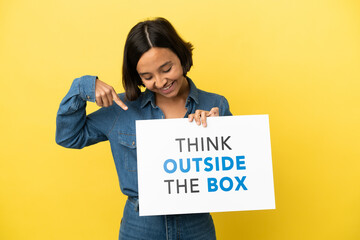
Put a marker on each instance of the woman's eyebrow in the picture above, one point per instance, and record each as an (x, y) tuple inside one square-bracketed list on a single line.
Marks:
[(141, 74)]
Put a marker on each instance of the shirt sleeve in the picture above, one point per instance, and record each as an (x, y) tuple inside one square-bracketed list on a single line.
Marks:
[(73, 127), (224, 108)]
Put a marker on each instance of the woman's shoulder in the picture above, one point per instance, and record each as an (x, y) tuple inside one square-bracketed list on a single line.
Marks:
[(206, 93), (137, 103), (209, 96), (208, 100), (200, 95)]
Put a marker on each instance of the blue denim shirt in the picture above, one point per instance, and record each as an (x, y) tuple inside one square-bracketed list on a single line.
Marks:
[(76, 130)]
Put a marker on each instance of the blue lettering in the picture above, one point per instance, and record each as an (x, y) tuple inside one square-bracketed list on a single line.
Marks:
[(217, 163), (226, 189), (231, 163), (240, 183), (166, 166), (197, 160), (182, 167), (238, 163), (212, 186), (209, 165)]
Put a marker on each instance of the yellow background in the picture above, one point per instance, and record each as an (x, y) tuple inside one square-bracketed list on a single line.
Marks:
[(298, 61)]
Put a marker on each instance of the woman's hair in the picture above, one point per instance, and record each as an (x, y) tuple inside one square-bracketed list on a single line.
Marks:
[(143, 36)]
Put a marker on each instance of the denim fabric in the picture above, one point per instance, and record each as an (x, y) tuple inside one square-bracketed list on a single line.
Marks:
[(75, 129), (170, 227)]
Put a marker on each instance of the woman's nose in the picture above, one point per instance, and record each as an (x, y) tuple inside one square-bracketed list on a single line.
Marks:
[(160, 82)]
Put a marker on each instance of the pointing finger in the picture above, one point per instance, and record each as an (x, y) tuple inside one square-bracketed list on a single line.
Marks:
[(118, 101)]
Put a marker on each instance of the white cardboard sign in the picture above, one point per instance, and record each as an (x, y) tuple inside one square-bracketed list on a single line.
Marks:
[(186, 168)]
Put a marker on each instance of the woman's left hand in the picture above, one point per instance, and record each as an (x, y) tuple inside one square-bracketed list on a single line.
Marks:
[(201, 115)]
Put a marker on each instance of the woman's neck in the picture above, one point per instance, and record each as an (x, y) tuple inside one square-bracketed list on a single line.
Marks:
[(174, 107)]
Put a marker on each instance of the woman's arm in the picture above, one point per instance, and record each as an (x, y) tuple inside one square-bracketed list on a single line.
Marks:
[(224, 107), (73, 128)]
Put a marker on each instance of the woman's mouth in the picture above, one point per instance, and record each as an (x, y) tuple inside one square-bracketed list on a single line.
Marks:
[(167, 88)]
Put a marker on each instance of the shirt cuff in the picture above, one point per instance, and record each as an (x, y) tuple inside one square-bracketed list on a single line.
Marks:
[(87, 88)]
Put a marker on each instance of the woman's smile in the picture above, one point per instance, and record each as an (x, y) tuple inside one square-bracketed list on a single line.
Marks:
[(168, 88), (162, 73)]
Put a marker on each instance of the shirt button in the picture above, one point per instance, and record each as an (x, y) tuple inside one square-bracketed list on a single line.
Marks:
[(133, 143), (87, 96)]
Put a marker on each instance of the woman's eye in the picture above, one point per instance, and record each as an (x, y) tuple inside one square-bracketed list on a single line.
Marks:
[(147, 78), (168, 70)]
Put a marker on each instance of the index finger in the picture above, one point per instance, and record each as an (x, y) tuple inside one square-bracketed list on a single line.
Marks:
[(203, 118), (118, 101)]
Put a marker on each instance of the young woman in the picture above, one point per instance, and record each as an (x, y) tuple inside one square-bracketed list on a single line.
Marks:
[(155, 57)]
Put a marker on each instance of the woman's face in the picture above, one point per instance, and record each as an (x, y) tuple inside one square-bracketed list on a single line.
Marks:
[(161, 72)]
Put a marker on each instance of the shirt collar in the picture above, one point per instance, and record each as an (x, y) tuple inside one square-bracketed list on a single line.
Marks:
[(149, 96), (194, 92)]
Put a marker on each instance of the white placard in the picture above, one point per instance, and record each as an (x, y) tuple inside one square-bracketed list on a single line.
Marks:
[(186, 168)]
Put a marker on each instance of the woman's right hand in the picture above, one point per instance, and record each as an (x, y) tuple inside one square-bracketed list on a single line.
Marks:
[(105, 95)]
